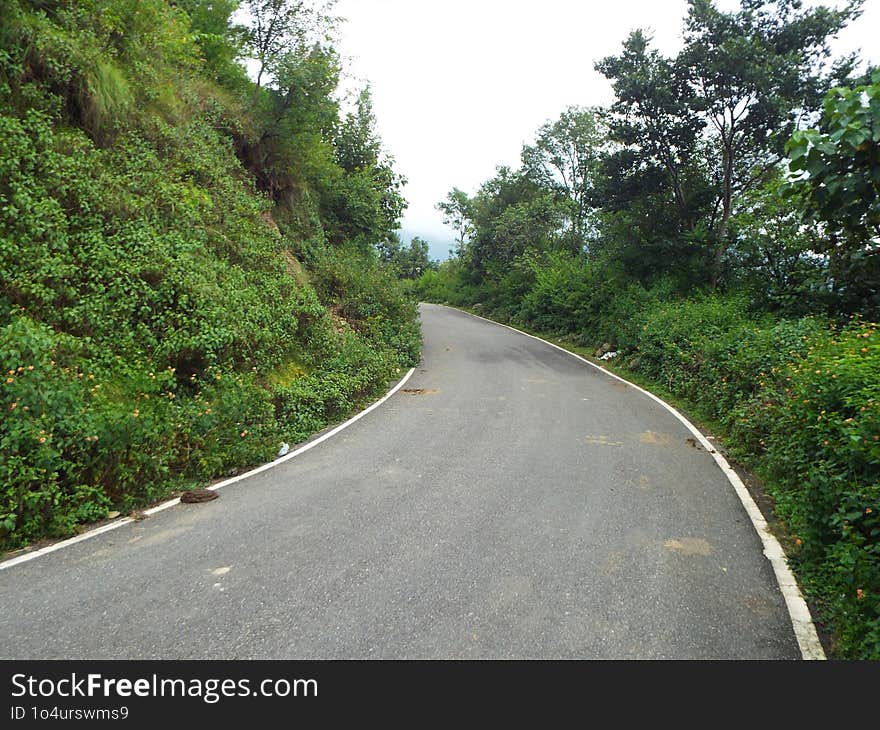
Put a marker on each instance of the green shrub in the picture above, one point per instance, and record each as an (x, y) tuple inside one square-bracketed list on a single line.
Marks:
[(563, 289), (818, 430), (370, 299), (445, 285), (149, 302), (681, 342), (345, 380), (43, 433)]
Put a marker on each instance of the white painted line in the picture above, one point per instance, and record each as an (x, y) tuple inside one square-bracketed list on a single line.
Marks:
[(801, 621), (25, 557), (65, 543)]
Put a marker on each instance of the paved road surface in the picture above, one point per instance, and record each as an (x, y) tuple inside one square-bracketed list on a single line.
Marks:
[(519, 505)]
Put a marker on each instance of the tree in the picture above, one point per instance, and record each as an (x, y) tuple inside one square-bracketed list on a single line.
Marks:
[(222, 42), (458, 213), (292, 145), (715, 118), (284, 26), (653, 188), (366, 202), (357, 142), (836, 169), (408, 262), (754, 74), (512, 214), (774, 250), (565, 158), (838, 164), (653, 119)]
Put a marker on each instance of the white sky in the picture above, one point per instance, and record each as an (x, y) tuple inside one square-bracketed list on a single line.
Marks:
[(460, 85)]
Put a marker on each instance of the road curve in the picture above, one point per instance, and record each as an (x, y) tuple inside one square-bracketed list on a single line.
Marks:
[(510, 502)]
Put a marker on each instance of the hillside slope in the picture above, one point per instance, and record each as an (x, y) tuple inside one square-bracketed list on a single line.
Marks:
[(187, 266)]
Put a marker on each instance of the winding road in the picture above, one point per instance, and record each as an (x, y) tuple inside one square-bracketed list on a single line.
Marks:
[(508, 502)]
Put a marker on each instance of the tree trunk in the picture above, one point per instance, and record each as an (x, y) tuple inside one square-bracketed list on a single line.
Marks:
[(726, 206)]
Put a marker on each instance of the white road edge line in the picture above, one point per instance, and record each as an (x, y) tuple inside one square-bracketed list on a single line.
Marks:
[(25, 557), (801, 620)]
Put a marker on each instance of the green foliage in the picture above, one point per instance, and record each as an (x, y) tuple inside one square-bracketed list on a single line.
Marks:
[(841, 160), (703, 349), (838, 173), (510, 215), (354, 372), (702, 129), (562, 291), (44, 404), (367, 296), (658, 133), (565, 159), (773, 254), (303, 154), (816, 422), (282, 29), (157, 327), (409, 262), (220, 41), (446, 285), (457, 210)]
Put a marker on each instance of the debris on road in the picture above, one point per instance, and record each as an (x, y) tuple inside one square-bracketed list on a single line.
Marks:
[(195, 496)]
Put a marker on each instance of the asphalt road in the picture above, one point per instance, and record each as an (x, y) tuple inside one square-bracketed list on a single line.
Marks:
[(511, 502)]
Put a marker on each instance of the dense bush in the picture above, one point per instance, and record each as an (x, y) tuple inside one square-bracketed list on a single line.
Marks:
[(815, 426), (561, 289), (368, 297), (157, 328), (446, 285)]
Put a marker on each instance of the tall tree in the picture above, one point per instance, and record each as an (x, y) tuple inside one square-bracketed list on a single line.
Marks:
[(716, 117), (221, 40), (565, 158), (283, 26), (774, 251), (409, 262), (297, 117), (367, 201), (754, 74), (458, 213), (652, 116), (512, 214), (357, 142)]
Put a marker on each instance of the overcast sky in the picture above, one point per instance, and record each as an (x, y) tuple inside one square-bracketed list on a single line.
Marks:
[(460, 85)]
